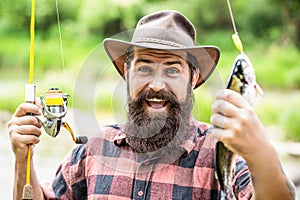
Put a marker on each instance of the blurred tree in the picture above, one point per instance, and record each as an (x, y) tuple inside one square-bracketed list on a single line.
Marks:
[(9, 10), (291, 19), (97, 19), (268, 19), (262, 18), (284, 15), (15, 15)]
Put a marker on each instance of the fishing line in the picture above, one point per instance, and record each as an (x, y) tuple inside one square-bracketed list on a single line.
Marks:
[(235, 37), (61, 44), (232, 17)]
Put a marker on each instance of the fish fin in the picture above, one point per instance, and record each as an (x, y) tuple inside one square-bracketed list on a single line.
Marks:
[(258, 89)]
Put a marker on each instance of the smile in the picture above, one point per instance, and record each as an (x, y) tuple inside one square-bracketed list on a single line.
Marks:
[(155, 103)]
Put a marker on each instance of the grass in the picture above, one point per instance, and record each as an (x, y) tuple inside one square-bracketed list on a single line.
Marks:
[(278, 67), (291, 123)]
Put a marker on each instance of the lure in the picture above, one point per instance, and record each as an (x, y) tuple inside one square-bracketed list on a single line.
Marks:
[(242, 80)]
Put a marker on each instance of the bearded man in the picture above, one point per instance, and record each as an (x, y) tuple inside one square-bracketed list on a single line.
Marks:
[(161, 152)]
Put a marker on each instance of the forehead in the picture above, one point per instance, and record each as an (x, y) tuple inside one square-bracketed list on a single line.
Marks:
[(159, 54)]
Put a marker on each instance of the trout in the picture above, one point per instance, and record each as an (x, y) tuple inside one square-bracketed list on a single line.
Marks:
[(242, 80)]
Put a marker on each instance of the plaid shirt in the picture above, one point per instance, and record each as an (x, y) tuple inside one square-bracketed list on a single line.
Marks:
[(107, 168)]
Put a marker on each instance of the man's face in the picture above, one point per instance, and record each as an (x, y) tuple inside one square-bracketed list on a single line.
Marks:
[(159, 98), (158, 70)]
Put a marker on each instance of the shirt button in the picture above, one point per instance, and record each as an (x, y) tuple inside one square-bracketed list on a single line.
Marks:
[(140, 193)]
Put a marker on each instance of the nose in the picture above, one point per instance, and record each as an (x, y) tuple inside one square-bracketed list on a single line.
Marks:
[(156, 86)]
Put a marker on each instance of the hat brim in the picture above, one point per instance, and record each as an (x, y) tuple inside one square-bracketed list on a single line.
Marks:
[(207, 56)]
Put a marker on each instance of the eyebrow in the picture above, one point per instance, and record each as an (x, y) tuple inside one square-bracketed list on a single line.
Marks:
[(165, 63), (143, 60), (173, 63)]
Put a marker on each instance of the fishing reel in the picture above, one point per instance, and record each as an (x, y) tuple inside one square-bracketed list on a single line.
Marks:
[(54, 108)]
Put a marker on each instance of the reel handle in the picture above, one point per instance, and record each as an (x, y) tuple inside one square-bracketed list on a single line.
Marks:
[(81, 140)]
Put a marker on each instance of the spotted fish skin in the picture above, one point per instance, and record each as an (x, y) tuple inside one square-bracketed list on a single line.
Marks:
[(242, 80), (225, 162)]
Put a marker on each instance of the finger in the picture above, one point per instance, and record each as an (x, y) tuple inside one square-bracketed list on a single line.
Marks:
[(223, 107), (218, 120), (25, 130), (217, 132), (232, 97), (25, 120), (220, 134), (25, 108), (19, 140), (223, 122)]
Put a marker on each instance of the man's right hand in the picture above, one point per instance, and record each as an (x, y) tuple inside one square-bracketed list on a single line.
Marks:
[(24, 129)]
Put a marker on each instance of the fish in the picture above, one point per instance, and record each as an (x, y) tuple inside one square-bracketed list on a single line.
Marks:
[(242, 79)]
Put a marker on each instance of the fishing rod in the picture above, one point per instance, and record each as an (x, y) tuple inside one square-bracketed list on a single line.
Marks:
[(53, 103), (30, 93)]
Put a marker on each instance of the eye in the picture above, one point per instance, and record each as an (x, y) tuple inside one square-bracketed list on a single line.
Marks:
[(144, 69), (172, 71)]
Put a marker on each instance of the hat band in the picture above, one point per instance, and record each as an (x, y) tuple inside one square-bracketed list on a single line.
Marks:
[(162, 36), (158, 41)]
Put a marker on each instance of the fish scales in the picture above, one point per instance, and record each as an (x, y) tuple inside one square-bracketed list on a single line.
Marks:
[(242, 80)]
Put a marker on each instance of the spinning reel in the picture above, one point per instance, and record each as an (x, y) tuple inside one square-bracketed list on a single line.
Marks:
[(54, 108)]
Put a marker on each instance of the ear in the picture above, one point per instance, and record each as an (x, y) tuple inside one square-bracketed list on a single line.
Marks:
[(195, 78)]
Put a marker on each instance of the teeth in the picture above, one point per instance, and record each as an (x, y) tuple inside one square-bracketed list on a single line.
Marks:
[(156, 100)]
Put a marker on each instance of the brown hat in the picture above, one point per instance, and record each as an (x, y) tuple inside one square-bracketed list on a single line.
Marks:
[(165, 30)]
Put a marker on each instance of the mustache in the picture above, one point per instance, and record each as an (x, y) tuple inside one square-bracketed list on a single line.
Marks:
[(146, 124), (168, 96)]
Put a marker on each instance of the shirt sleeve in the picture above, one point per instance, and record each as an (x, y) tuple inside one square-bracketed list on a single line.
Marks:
[(242, 184), (69, 182)]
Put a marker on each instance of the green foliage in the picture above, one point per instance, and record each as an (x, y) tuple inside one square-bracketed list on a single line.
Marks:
[(10, 105), (202, 106), (97, 19), (257, 18), (291, 122), (277, 67), (268, 110), (261, 18), (8, 12), (13, 55)]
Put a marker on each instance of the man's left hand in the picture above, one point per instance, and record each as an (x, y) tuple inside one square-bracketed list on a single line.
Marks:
[(237, 124)]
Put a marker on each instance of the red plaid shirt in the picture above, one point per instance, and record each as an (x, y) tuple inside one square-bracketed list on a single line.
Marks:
[(107, 168)]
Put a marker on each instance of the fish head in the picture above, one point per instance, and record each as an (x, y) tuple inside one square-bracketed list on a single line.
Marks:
[(244, 71)]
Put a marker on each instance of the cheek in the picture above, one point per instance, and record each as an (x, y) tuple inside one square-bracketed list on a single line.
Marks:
[(135, 86), (179, 88)]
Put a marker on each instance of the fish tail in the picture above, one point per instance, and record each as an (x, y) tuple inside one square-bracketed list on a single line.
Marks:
[(222, 195)]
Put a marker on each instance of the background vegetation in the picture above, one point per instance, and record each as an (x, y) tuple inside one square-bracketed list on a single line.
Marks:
[(269, 29)]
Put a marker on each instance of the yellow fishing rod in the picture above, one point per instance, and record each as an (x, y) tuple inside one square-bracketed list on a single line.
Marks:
[(53, 103), (30, 91)]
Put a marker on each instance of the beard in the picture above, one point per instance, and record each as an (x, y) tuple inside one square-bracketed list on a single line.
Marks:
[(162, 132)]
